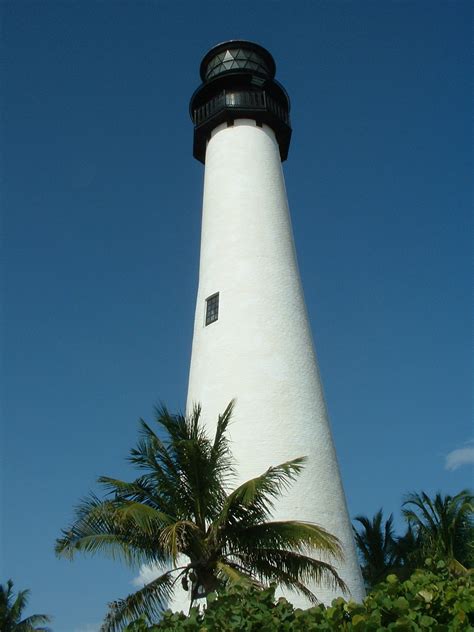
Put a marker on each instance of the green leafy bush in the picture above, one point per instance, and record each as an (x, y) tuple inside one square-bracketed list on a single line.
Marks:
[(431, 600)]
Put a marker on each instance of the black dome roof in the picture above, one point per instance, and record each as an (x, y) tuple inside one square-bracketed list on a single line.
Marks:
[(235, 55)]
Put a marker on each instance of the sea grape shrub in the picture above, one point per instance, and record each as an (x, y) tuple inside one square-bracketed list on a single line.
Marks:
[(432, 600)]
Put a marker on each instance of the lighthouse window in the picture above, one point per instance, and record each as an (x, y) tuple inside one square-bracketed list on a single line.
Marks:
[(212, 308)]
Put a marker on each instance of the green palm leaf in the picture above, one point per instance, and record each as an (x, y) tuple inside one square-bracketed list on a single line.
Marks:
[(151, 600), (232, 574), (119, 530), (377, 547), (221, 457), (176, 538), (292, 534), (11, 609), (296, 566), (34, 623), (254, 499), (444, 526)]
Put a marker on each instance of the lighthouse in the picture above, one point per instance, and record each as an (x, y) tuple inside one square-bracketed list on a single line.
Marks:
[(252, 339)]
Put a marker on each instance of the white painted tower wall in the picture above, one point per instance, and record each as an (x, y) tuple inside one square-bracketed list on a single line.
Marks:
[(260, 350)]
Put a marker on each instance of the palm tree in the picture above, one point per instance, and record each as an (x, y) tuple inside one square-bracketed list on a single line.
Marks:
[(178, 514), (377, 547), (11, 609), (444, 526), (407, 551)]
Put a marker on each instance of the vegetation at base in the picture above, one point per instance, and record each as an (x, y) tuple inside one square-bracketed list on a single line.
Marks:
[(11, 611), (180, 515), (441, 528), (444, 527), (222, 545), (432, 599)]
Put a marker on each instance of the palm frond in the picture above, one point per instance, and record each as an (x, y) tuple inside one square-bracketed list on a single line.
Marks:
[(310, 570), (150, 601), (377, 539), (377, 547), (115, 529), (156, 457), (268, 563), (444, 525), (141, 490), (188, 469), (31, 623), (287, 534), (146, 518), (285, 580), (11, 608), (175, 538), (425, 516), (177, 427), (220, 458), (254, 499), (232, 574)]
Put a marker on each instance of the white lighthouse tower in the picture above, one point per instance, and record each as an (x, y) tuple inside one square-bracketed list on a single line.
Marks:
[(252, 339)]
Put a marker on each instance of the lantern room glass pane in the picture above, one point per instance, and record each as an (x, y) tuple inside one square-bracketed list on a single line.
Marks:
[(234, 59)]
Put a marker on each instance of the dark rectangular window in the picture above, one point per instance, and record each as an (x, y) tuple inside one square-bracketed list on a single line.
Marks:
[(212, 308)]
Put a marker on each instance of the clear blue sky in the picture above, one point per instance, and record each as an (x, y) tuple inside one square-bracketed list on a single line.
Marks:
[(101, 217)]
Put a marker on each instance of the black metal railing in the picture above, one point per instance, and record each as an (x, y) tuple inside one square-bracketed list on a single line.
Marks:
[(242, 100)]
